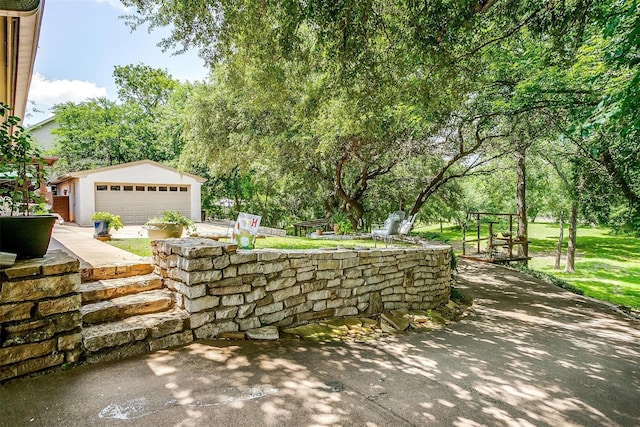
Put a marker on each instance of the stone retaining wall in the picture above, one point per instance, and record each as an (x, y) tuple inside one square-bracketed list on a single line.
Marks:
[(225, 290), (40, 321), (220, 290)]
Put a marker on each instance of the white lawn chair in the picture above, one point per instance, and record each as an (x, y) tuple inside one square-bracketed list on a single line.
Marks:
[(407, 225), (391, 228)]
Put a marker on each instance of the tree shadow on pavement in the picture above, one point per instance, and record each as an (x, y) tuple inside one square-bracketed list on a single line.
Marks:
[(530, 354)]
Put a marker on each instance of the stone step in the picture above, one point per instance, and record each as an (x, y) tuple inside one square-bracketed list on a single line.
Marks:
[(146, 332), (106, 289), (130, 305), (114, 271)]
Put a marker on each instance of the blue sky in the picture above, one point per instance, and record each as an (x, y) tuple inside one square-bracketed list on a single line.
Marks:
[(80, 43)]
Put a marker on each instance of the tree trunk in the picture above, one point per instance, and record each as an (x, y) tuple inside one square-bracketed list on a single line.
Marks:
[(521, 204), (560, 239), (354, 203), (571, 248)]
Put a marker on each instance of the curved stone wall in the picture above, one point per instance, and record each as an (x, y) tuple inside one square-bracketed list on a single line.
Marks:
[(227, 290)]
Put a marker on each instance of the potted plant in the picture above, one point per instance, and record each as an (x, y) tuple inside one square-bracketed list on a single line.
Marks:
[(169, 224), (338, 218), (25, 228), (103, 222)]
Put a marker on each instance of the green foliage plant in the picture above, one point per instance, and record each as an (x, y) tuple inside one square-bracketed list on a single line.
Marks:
[(344, 227), (339, 217), (624, 221), (173, 217), (109, 218), (20, 160), (454, 265)]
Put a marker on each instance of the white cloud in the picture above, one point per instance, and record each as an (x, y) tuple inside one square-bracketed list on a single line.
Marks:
[(115, 4), (46, 93)]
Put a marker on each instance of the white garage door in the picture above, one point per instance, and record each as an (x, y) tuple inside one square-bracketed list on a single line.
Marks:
[(136, 203)]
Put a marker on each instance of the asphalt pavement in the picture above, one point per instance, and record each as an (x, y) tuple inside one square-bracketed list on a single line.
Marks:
[(529, 354)]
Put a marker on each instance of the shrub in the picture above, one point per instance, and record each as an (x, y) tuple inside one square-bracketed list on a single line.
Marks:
[(21, 162), (344, 227), (113, 220), (339, 217), (174, 217)]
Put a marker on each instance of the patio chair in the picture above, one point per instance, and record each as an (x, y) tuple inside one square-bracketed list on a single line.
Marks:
[(391, 228), (407, 225)]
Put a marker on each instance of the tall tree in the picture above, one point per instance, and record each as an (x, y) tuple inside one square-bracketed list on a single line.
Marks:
[(330, 78), (607, 134), (95, 133), (521, 199), (101, 132), (141, 84), (559, 154)]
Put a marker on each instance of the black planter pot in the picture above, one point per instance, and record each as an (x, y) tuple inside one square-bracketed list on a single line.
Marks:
[(27, 236)]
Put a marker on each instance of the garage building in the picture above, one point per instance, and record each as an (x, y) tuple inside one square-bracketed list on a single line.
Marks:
[(136, 191)]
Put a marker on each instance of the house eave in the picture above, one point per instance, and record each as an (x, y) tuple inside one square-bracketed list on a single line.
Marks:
[(85, 173), (20, 23)]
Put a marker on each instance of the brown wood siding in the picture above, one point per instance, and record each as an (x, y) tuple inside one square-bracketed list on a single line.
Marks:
[(61, 206)]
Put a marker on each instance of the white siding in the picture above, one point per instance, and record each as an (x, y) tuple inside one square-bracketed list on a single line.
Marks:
[(136, 203), (135, 207)]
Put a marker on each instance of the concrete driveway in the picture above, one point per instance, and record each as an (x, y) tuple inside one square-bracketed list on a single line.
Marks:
[(530, 354)]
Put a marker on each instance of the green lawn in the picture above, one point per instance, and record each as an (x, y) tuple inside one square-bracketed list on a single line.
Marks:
[(291, 242), (141, 246), (607, 266)]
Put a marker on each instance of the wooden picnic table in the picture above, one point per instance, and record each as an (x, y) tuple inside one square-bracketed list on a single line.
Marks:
[(313, 224)]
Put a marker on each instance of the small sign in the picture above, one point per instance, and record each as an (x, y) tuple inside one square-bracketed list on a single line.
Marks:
[(246, 230)]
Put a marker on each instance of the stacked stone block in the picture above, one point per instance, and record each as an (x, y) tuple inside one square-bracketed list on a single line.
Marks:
[(40, 321), (225, 290)]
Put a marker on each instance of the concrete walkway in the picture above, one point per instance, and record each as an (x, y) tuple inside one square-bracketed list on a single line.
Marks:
[(530, 354), (79, 242)]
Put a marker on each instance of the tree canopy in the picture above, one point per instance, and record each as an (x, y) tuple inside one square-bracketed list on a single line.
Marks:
[(370, 106), (102, 132)]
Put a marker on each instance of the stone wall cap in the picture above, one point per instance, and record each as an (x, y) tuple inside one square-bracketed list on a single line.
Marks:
[(436, 246), (356, 249), (36, 266), (193, 243), (193, 247)]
